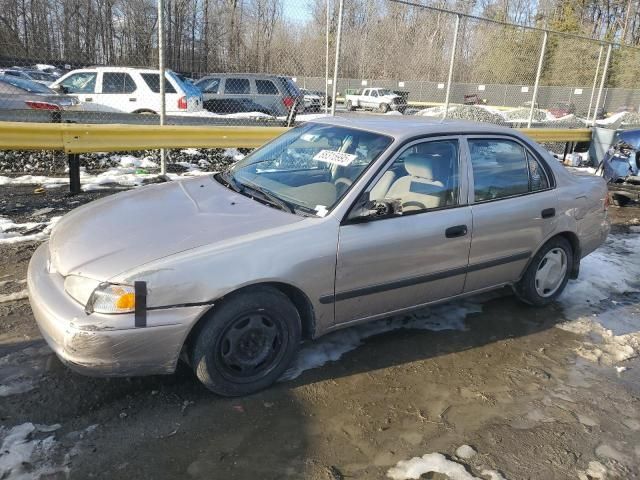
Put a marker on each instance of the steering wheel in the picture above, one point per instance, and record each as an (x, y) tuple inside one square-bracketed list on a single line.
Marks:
[(342, 184)]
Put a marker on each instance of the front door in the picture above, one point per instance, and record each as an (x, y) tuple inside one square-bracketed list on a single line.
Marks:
[(81, 85), (416, 256), (514, 208)]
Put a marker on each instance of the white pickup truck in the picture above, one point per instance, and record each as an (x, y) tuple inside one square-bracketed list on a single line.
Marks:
[(380, 99)]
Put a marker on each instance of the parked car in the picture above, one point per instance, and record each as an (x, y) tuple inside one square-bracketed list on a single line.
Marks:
[(312, 101), (129, 90), (50, 69), (562, 109), (37, 76), (20, 94), (621, 167), (324, 100), (380, 99), (276, 94), (336, 222), (474, 99)]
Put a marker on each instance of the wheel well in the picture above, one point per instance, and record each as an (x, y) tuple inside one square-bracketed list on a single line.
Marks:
[(573, 240), (145, 110), (297, 297)]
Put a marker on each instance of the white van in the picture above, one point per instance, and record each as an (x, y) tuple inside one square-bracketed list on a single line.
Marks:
[(129, 90)]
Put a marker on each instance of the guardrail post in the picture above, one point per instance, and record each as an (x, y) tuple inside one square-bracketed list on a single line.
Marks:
[(595, 80), (451, 62), (337, 60), (74, 173), (605, 69), (538, 74)]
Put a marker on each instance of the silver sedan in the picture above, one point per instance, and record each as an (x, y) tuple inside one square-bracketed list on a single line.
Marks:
[(336, 222)]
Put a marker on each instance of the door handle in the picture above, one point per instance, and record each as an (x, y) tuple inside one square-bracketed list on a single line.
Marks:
[(88, 99), (548, 213), (133, 99), (457, 231)]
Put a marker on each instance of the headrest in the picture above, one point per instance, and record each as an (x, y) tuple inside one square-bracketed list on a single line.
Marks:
[(430, 156), (421, 166)]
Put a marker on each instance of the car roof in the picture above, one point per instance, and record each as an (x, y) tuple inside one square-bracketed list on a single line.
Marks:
[(240, 74), (412, 126)]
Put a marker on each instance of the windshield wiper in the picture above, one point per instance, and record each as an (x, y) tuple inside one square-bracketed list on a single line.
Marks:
[(269, 197), (231, 182)]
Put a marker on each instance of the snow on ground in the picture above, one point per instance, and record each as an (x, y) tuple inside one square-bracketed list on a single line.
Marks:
[(331, 347), (12, 297), (437, 463), (31, 451), (11, 232), (22, 370), (602, 302)]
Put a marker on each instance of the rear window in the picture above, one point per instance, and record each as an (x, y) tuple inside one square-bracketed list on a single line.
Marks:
[(117, 82), (153, 82), (237, 86), (266, 87), (290, 87), (26, 85), (209, 85)]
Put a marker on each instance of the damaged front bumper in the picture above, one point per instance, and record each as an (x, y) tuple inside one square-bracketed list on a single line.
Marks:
[(105, 345)]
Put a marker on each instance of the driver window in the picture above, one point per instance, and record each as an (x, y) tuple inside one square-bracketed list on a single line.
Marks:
[(423, 177)]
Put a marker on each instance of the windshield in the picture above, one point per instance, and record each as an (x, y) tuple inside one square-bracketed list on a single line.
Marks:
[(310, 167), (384, 91), (27, 85)]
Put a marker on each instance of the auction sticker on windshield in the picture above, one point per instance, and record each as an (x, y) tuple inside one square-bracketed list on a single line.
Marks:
[(337, 158)]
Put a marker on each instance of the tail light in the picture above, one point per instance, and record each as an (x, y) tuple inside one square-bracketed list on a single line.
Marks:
[(182, 103), (607, 202), (288, 101), (43, 105)]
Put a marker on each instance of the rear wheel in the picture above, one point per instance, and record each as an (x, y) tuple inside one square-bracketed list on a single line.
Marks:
[(547, 274), (247, 342)]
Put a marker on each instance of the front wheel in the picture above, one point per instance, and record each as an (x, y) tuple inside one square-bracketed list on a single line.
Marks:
[(349, 106), (384, 107), (247, 342), (547, 274)]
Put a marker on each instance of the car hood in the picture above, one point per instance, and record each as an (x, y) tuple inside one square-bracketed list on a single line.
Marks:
[(117, 233)]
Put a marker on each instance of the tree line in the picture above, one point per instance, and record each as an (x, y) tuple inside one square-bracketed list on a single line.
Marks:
[(382, 39)]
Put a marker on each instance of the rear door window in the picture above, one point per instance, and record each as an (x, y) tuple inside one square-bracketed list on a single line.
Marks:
[(500, 168), (237, 86), (153, 82), (266, 87), (117, 82)]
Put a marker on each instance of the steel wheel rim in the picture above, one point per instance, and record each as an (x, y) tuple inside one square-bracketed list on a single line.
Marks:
[(250, 347), (551, 272)]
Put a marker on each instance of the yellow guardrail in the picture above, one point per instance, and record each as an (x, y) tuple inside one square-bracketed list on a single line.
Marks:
[(82, 138)]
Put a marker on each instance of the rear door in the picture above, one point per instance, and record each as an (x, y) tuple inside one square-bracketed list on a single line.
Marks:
[(238, 89), (513, 203), (400, 261), (117, 91)]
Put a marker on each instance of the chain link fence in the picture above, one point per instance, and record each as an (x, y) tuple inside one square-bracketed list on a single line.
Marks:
[(264, 62)]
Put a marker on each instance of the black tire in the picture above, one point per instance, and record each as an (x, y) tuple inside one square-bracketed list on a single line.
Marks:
[(526, 289), (247, 342), (384, 107), (349, 106)]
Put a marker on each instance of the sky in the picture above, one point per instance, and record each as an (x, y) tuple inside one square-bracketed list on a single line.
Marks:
[(296, 10)]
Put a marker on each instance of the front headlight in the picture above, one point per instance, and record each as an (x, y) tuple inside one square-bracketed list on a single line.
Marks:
[(109, 298), (80, 288)]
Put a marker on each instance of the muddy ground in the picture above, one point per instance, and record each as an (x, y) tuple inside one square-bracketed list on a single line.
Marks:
[(505, 381)]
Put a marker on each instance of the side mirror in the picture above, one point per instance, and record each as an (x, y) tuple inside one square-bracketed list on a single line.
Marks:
[(366, 209)]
